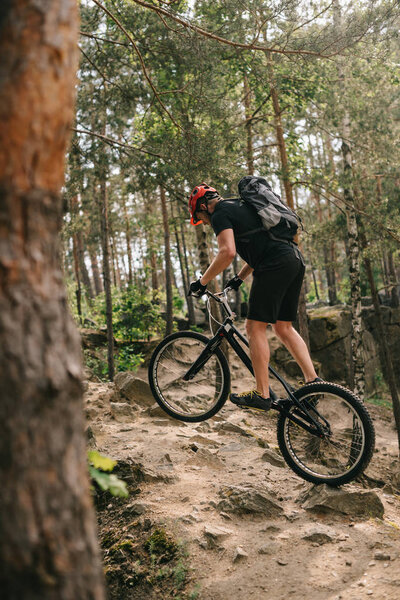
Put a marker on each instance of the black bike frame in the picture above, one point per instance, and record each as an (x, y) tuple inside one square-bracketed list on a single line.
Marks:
[(228, 331)]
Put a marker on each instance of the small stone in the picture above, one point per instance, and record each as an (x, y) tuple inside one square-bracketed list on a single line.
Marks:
[(273, 458), (281, 562), (239, 554), (215, 535), (267, 549), (381, 556)]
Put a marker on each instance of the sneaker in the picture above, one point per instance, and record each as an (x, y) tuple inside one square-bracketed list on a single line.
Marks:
[(302, 382), (251, 400)]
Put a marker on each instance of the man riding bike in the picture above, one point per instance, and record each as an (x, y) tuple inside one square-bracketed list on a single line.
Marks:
[(278, 271)]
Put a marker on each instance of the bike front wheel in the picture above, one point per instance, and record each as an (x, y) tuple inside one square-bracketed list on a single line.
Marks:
[(195, 399), (347, 444)]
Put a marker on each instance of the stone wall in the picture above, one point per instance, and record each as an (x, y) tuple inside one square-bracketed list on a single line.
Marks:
[(330, 340)]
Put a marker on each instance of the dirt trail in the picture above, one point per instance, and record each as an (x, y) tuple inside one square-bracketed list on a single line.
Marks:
[(275, 548)]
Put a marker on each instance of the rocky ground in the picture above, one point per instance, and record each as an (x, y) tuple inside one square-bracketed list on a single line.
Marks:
[(214, 512)]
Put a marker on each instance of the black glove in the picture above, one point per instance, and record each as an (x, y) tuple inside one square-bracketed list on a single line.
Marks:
[(197, 289), (234, 283)]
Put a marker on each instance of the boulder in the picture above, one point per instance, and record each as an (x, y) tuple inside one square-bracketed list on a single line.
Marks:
[(248, 499), (330, 341), (134, 389), (348, 501)]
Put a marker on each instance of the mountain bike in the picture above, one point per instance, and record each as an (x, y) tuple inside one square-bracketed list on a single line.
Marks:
[(324, 431)]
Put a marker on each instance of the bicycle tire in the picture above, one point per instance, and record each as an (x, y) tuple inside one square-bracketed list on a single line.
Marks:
[(195, 400), (353, 434)]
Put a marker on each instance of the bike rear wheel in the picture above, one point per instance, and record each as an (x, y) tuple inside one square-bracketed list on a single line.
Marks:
[(198, 398), (346, 447)]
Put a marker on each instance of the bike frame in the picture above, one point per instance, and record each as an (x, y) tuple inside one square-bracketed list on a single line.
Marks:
[(228, 331)]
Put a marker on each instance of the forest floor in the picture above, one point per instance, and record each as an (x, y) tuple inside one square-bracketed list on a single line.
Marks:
[(181, 535)]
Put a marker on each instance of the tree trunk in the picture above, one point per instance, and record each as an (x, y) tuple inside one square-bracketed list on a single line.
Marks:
[(82, 266), (48, 543), (287, 185), (98, 285), (249, 127), (128, 244), (168, 266), (78, 291), (184, 271), (385, 357), (106, 273)]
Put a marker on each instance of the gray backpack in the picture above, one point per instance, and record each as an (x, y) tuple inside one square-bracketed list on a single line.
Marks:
[(277, 219)]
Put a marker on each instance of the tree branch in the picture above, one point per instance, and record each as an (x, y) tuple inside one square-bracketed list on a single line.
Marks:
[(116, 143), (145, 73), (213, 36)]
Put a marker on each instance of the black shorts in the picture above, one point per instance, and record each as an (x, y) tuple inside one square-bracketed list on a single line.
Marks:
[(274, 295)]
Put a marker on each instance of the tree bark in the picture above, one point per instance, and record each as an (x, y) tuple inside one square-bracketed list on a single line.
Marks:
[(128, 244), (48, 543), (82, 266), (287, 185), (103, 206), (249, 127), (385, 357), (98, 286), (185, 279), (168, 266)]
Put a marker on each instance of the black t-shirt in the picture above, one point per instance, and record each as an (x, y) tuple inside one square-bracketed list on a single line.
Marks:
[(258, 250)]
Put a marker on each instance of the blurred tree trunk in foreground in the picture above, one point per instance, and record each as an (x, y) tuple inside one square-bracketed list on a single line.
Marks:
[(48, 545)]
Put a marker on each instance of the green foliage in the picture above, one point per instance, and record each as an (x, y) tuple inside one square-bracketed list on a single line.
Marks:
[(128, 360), (97, 365), (136, 315), (100, 468)]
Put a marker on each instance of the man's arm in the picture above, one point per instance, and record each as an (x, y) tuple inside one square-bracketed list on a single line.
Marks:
[(245, 271), (226, 254)]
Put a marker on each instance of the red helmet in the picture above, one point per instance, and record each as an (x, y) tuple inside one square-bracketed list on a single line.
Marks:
[(198, 192)]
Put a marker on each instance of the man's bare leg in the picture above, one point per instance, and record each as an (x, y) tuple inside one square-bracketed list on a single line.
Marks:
[(297, 348), (259, 354)]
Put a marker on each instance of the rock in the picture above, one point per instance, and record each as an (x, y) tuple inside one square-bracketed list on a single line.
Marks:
[(239, 554), (134, 389), (270, 548), (135, 472), (395, 481), (92, 338), (248, 499), (122, 411), (135, 508), (231, 427), (203, 457), (381, 556), (319, 534), (273, 458), (215, 535), (204, 427), (348, 501), (202, 440), (155, 411)]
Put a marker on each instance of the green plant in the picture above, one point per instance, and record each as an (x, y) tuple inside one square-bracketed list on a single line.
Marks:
[(96, 364), (100, 468), (128, 360)]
